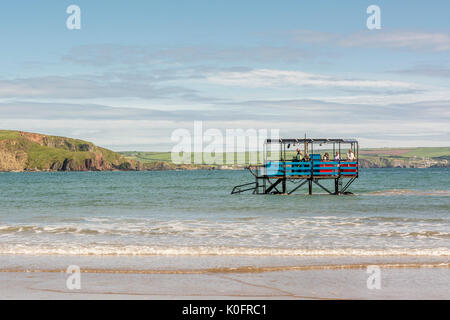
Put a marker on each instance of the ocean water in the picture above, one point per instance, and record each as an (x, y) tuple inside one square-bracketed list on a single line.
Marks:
[(393, 212)]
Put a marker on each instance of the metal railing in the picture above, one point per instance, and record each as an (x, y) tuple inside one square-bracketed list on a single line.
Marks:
[(309, 168)]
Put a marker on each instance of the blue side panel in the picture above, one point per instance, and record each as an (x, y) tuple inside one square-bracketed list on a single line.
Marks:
[(326, 162)]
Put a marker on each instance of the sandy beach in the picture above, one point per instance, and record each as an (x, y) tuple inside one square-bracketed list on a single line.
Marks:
[(249, 278)]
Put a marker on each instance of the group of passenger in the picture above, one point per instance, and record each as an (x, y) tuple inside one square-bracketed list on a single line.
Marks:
[(326, 157)]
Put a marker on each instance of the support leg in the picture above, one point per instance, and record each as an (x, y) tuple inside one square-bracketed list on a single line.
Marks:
[(273, 186), (348, 184)]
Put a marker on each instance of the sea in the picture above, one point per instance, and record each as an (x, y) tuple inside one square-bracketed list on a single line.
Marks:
[(392, 212)]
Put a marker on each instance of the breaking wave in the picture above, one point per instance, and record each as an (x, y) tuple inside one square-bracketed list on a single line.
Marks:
[(134, 250)]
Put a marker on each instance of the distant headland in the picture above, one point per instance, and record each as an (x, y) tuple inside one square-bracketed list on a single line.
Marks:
[(25, 151)]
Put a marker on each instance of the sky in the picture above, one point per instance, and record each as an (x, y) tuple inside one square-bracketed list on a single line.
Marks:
[(136, 71)]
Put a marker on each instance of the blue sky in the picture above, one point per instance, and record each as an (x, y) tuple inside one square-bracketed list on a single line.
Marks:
[(138, 70)]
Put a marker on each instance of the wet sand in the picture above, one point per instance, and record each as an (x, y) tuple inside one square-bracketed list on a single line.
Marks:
[(214, 278)]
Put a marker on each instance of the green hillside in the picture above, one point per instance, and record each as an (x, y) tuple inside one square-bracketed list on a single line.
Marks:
[(24, 151), (380, 157), (150, 157)]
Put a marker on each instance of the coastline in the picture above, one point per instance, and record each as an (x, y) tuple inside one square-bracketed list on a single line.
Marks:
[(167, 167), (159, 166)]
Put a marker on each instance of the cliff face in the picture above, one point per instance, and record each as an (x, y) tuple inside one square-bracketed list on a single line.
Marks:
[(24, 151), (10, 159)]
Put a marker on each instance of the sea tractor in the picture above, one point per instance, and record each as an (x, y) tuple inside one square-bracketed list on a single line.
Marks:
[(289, 164)]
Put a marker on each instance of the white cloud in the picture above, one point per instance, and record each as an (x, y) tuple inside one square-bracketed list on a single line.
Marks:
[(88, 87), (426, 41), (396, 39), (155, 135), (276, 78), (438, 71), (427, 97), (114, 54)]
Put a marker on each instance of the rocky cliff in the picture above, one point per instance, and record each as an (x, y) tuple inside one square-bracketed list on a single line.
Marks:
[(24, 151)]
